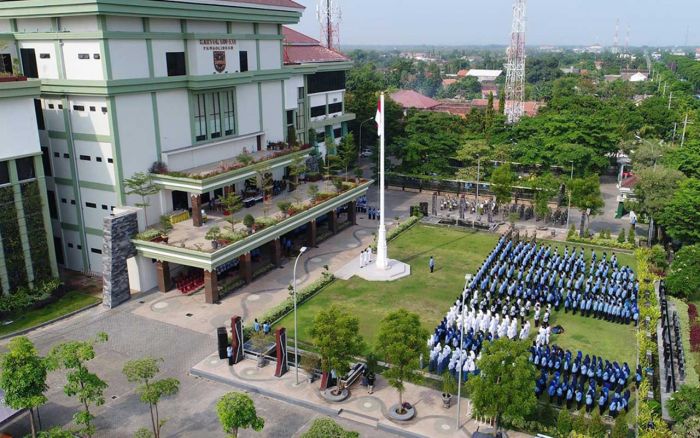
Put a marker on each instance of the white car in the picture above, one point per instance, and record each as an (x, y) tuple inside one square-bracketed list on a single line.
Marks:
[(366, 153)]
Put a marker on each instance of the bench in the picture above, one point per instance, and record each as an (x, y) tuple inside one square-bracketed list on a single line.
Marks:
[(351, 377)]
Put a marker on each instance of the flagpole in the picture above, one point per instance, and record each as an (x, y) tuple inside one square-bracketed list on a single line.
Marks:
[(381, 235)]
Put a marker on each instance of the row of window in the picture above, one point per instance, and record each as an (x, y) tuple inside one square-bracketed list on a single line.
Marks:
[(25, 170), (87, 56), (317, 111), (214, 115), (321, 136), (82, 157), (82, 108)]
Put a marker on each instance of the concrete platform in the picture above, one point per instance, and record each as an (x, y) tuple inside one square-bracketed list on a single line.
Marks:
[(395, 271)]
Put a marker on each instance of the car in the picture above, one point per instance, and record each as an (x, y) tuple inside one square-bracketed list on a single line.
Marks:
[(366, 153)]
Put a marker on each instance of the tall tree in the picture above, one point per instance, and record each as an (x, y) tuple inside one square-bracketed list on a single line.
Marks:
[(655, 188), (237, 411), (546, 187), (23, 377), (336, 335), (502, 180), (73, 356), (683, 277), (400, 341), (585, 195), (347, 153), (141, 184), (142, 371), (505, 387), (681, 216)]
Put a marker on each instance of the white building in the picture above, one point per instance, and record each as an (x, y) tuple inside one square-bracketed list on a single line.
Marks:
[(485, 75), (186, 83)]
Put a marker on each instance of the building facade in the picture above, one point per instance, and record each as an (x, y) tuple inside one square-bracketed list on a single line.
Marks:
[(27, 256), (187, 85)]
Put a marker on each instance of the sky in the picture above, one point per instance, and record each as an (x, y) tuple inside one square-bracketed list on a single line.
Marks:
[(482, 22)]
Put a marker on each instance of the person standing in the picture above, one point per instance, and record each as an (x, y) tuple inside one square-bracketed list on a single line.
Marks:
[(362, 259), (368, 257), (431, 264), (229, 354)]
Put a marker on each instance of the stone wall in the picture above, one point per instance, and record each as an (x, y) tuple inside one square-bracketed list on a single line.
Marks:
[(116, 248)]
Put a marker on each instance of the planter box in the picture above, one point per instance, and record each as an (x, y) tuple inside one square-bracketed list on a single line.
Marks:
[(12, 78)]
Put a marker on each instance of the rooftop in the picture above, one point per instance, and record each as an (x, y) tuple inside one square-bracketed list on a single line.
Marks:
[(302, 49), (274, 3), (478, 73), (413, 99)]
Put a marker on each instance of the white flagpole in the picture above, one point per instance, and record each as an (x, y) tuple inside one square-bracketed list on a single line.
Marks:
[(382, 262)]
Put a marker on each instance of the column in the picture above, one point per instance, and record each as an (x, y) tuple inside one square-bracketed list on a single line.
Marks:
[(196, 210), (311, 234), (21, 221), (165, 282), (333, 222), (277, 252), (246, 268), (211, 287), (41, 180), (352, 212)]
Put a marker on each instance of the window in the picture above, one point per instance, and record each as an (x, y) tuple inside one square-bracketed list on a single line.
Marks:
[(58, 245), (214, 114), (95, 251), (337, 133), (91, 205), (95, 56), (317, 111), (25, 168), (5, 63), (65, 155), (29, 67), (104, 110), (83, 56), (44, 56), (51, 106), (175, 62), (92, 108), (335, 108), (57, 155), (64, 201), (85, 157), (320, 137), (290, 117), (104, 207), (4, 173), (53, 209), (78, 107), (326, 81), (243, 58), (110, 161), (46, 161), (80, 246), (60, 106), (98, 159), (72, 202), (39, 115), (70, 245)]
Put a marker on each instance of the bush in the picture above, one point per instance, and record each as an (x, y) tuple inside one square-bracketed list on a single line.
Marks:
[(580, 424), (695, 337), (608, 243), (214, 233), (632, 237), (564, 424), (683, 277), (596, 428), (248, 220), (284, 206), (327, 428), (282, 309), (692, 312), (621, 236), (24, 298), (572, 232), (657, 257), (684, 403), (620, 429), (148, 235)]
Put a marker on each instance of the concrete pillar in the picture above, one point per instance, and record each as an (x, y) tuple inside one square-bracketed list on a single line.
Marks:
[(277, 252), (246, 268), (352, 212), (196, 210), (165, 282), (311, 234), (211, 287), (333, 222)]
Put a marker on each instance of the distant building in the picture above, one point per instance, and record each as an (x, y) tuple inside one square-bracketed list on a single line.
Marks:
[(410, 99), (595, 48), (485, 75), (462, 73), (697, 54), (447, 82), (490, 88), (570, 70), (634, 75), (531, 107)]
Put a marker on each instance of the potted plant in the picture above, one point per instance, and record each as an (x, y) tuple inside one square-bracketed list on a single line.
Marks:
[(358, 174), (214, 234), (310, 362), (249, 221), (284, 207), (449, 386)]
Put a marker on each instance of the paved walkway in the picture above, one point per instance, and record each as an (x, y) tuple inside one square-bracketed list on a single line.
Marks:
[(432, 420)]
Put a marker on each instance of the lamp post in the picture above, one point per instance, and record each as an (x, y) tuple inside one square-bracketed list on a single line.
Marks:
[(568, 209), (359, 141), (478, 175), (467, 279), (302, 250)]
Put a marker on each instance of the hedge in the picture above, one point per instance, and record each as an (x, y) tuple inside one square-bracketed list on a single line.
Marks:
[(608, 243)]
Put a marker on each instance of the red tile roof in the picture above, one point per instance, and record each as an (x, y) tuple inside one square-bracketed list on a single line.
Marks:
[(630, 182), (462, 73), (301, 49), (293, 37), (531, 107), (448, 82), (413, 99), (279, 3)]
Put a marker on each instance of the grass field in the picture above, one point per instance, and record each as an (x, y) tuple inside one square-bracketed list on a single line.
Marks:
[(456, 252), (70, 302)]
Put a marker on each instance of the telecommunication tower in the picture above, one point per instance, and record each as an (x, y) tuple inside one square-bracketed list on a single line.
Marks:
[(329, 15), (616, 41), (515, 67)]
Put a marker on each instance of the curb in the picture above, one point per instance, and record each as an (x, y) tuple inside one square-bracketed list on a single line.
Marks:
[(277, 396), (44, 324)]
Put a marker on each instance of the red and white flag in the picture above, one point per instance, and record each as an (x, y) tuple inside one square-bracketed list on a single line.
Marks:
[(379, 118)]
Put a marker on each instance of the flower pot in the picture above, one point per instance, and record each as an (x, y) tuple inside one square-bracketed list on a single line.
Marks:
[(446, 400), (215, 244)]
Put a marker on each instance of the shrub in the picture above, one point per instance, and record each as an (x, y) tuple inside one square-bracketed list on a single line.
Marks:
[(564, 424), (632, 237), (248, 220), (148, 235), (572, 232), (214, 233), (284, 206), (684, 403), (657, 257), (264, 222), (620, 429), (596, 428), (692, 312), (695, 337), (683, 277), (621, 236), (282, 309), (327, 428)]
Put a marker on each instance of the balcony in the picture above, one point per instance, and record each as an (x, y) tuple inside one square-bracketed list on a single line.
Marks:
[(204, 179), (320, 122), (188, 245)]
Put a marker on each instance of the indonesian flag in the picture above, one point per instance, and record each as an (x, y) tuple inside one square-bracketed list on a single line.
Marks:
[(379, 118)]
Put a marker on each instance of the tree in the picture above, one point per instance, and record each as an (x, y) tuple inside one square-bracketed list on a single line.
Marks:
[(57, 432), (546, 187), (401, 340), (347, 153), (585, 195), (336, 335), (681, 216), (689, 428), (296, 169), (502, 180), (505, 386), (81, 383), (502, 101), (684, 403), (324, 427), (237, 411), (655, 188), (621, 236), (141, 184), (231, 202), (23, 377), (142, 371), (683, 277)]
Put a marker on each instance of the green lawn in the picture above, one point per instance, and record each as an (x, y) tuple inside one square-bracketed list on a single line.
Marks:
[(456, 252), (70, 302)]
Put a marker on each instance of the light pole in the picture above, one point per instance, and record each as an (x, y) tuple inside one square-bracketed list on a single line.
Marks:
[(568, 209), (359, 141), (478, 175), (467, 279), (302, 250)]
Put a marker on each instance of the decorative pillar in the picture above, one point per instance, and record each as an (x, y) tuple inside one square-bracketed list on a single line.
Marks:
[(165, 282), (277, 252), (333, 222), (311, 231), (352, 212), (281, 343), (211, 287), (246, 268), (237, 340), (196, 210)]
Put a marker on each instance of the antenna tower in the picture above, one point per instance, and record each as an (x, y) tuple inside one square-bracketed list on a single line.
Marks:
[(329, 15), (616, 41), (515, 67), (627, 40)]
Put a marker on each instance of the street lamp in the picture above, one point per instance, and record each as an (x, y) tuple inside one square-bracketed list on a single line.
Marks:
[(478, 175), (568, 209), (467, 279), (360, 139), (302, 250)]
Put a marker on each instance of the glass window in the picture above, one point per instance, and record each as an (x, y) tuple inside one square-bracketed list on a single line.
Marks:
[(4, 173), (318, 111), (229, 113), (326, 81), (46, 161), (337, 133), (214, 115), (335, 108), (25, 168), (39, 115), (243, 58), (200, 118), (53, 210), (176, 63)]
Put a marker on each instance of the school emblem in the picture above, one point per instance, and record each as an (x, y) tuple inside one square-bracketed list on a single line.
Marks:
[(219, 60)]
